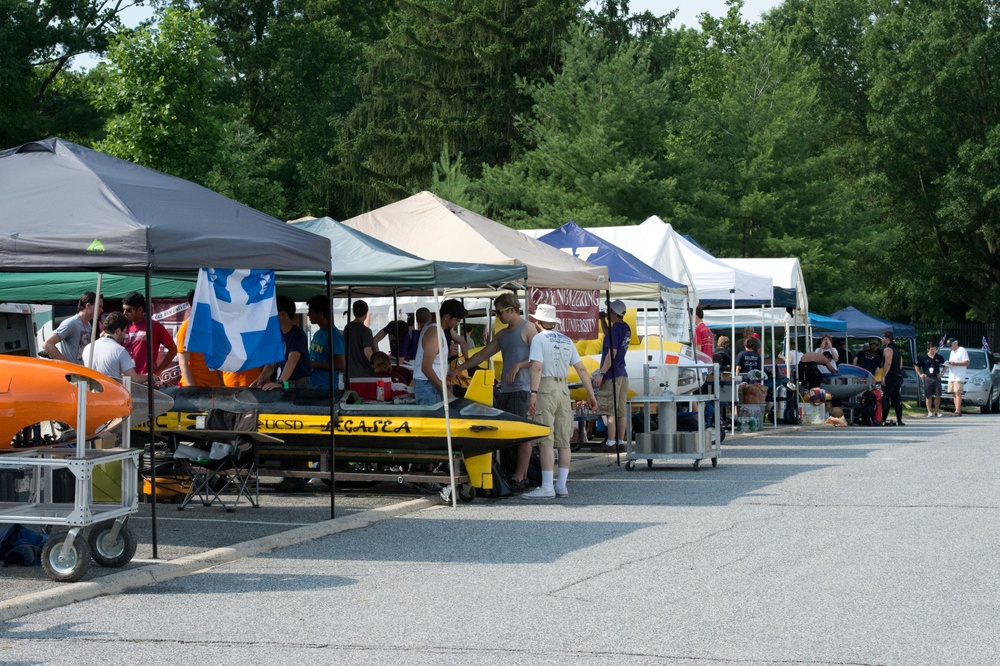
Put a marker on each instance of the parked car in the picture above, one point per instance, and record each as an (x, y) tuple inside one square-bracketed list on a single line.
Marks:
[(982, 381), (913, 386)]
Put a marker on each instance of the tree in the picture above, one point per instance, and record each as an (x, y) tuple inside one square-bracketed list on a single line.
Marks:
[(593, 133), (934, 145), (160, 88), (448, 72), (38, 41)]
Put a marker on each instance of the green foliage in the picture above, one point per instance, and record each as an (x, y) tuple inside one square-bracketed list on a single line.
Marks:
[(594, 133), (447, 72), (160, 89), (451, 184)]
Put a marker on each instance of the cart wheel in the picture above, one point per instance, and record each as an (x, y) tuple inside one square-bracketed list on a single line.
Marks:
[(630, 465), (108, 552), (69, 567), (649, 463), (715, 462), (466, 493), (697, 465)]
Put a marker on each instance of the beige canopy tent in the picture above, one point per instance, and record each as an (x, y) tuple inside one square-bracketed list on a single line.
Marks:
[(432, 228)]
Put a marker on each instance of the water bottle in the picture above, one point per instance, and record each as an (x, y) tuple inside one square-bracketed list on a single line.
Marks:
[(380, 390)]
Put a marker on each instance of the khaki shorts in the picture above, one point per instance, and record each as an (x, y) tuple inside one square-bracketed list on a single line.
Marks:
[(955, 387), (553, 408), (606, 399)]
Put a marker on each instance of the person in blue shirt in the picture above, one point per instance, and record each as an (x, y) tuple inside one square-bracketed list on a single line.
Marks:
[(320, 348), (294, 370), (612, 397)]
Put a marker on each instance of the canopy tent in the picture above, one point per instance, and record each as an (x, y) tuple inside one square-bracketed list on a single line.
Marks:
[(827, 325), (373, 267), (715, 282), (786, 276), (432, 228), (629, 277), (66, 207), (863, 325)]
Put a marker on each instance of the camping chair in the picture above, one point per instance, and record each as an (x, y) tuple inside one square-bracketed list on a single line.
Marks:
[(234, 469)]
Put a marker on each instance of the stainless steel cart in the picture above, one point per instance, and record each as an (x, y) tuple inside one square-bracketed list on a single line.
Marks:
[(665, 442), (65, 556)]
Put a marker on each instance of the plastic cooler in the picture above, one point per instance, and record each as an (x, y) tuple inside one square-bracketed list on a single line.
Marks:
[(378, 389)]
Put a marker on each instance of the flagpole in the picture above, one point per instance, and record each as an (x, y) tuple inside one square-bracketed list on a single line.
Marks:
[(444, 347), (333, 403)]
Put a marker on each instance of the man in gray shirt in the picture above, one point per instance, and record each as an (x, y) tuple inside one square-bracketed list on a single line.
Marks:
[(513, 343), (68, 341)]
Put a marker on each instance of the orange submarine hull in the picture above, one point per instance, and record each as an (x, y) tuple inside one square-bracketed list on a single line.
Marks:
[(36, 390)]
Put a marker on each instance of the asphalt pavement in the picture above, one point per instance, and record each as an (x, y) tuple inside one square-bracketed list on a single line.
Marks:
[(810, 546)]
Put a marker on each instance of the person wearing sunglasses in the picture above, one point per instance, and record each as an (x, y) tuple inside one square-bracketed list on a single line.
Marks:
[(513, 343), (134, 309)]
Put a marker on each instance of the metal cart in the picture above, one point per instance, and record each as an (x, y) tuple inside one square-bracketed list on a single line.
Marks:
[(66, 557), (665, 442)]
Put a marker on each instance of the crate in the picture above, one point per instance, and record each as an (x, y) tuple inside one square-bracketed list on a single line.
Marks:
[(810, 414), (750, 418)]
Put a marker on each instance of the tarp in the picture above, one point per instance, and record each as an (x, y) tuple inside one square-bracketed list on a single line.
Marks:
[(863, 325), (432, 228), (66, 207), (657, 244), (825, 325), (374, 267), (630, 277)]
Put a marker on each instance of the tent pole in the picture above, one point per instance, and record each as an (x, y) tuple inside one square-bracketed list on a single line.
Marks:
[(774, 370), (149, 403), (93, 322), (347, 342), (392, 320), (444, 347), (732, 367), (333, 404)]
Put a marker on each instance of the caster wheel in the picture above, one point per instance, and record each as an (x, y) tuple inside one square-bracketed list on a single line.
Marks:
[(649, 464), (466, 493), (697, 465), (715, 462), (630, 465), (111, 552), (65, 567)]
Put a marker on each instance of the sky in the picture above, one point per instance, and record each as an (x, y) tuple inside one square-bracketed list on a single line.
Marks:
[(687, 15)]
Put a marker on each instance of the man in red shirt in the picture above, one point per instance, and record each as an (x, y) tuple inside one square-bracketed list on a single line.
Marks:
[(134, 307), (702, 334)]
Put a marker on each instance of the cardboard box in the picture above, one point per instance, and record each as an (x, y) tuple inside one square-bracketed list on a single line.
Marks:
[(810, 414)]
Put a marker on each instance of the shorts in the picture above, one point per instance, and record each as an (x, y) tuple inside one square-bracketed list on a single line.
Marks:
[(932, 388), (553, 408), (606, 399), (955, 387), (515, 402), (425, 393)]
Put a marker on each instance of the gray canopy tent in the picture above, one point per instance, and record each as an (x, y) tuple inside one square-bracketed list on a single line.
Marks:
[(67, 207)]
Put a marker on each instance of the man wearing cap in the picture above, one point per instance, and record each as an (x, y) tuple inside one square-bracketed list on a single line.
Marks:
[(513, 343), (551, 355), (957, 363), (892, 377), (870, 358), (428, 389), (612, 396), (929, 369)]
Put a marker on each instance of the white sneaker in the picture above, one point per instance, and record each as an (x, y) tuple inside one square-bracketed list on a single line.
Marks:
[(540, 493), (561, 492), (939, 414)]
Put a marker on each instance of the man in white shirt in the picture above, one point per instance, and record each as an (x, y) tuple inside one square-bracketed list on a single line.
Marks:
[(957, 364), (551, 355), (110, 357)]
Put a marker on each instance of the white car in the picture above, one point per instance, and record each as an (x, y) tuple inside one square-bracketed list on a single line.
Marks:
[(982, 381)]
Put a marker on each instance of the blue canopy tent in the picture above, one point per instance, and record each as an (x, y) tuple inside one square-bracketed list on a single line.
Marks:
[(863, 325), (629, 276), (826, 325)]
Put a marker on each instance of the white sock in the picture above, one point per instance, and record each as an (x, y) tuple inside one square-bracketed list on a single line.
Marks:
[(547, 479), (563, 475)]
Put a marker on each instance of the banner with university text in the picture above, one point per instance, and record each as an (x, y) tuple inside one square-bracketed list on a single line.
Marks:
[(577, 309)]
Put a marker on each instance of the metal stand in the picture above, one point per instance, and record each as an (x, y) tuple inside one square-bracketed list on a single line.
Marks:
[(65, 557), (666, 443)]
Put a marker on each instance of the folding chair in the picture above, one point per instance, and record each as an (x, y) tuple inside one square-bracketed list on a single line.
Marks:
[(234, 472)]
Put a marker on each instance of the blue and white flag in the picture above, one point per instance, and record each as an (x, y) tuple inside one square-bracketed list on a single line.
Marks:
[(234, 319)]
